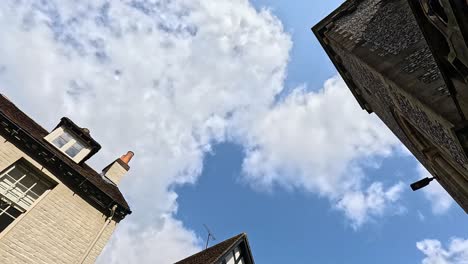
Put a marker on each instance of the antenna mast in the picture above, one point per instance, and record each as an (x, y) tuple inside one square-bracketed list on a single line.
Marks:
[(210, 235)]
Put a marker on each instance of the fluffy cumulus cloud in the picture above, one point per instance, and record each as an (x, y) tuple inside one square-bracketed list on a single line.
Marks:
[(320, 142), (436, 253), (168, 79), (440, 200), (161, 243), (360, 206), (162, 78)]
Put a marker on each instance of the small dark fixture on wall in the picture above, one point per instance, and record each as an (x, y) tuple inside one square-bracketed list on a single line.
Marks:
[(421, 183)]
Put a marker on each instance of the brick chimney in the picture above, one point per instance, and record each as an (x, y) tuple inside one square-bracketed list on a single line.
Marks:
[(117, 169)]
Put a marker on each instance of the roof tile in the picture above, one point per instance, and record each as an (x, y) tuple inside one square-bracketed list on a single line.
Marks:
[(214, 253)]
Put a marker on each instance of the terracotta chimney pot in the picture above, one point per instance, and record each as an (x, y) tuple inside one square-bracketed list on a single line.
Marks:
[(127, 157)]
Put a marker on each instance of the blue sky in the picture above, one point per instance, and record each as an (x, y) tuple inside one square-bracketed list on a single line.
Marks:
[(296, 227), (238, 121), (308, 63)]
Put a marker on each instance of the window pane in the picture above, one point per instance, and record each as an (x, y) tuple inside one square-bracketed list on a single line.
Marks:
[(5, 183), (38, 189), (19, 189), (74, 150), (27, 182), (24, 192), (16, 173), (230, 259), (13, 212), (25, 202), (7, 214), (237, 253), (32, 195), (62, 140), (3, 205), (13, 194), (5, 220)]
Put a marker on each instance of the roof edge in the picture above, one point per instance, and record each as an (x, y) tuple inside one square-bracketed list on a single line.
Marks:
[(347, 6), (241, 236), (12, 130)]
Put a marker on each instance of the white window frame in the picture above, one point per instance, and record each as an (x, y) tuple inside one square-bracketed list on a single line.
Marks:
[(236, 255), (59, 132), (23, 166)]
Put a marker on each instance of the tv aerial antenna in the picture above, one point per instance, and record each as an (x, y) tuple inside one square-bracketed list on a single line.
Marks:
[(210, 236)]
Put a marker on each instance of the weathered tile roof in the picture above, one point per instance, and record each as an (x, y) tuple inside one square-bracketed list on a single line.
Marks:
[(37, 132), (213, 254)]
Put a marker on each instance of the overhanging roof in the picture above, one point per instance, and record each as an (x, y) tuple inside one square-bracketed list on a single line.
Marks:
[(29, 136)]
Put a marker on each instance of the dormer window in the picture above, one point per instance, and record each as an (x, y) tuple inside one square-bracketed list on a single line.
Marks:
[(68, 144), (73, 141), (62, 140), (75, 149)]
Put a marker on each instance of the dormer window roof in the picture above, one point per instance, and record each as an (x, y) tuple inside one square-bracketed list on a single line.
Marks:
[(73, 141)]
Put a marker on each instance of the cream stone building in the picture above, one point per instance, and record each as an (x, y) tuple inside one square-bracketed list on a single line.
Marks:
[(53, 207)]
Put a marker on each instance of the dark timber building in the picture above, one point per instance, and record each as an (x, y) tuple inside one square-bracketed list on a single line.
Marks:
[(407, 61), (235, 250)]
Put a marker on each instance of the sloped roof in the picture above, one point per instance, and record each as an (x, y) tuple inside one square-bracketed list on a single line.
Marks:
[(213, 254), (37, 132)]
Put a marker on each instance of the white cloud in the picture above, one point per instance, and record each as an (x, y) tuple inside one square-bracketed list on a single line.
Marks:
[(360, 206), (440, 200), (320, 142), (435, 253), (168, 79), (166, 244), (163, 78)]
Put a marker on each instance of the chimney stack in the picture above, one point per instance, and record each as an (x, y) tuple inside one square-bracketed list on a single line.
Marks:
[(117, 169)]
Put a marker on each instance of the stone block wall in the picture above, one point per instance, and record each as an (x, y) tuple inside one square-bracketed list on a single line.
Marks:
[(58, 228)]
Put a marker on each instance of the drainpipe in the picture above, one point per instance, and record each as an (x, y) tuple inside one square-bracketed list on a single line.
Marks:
[(91, 246)]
